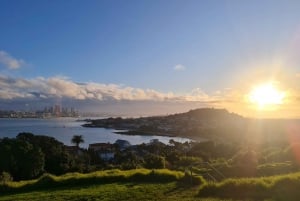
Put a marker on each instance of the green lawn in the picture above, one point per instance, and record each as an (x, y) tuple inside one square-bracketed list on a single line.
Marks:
[(113, 192), (143, 184)]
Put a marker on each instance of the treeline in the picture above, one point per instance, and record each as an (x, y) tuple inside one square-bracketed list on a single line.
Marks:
[(28, 156)]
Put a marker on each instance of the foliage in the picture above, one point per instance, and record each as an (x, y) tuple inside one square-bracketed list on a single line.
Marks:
[(248, 157), (21, 159), (5, 177), (48, 181), (57, 159), (231, 159), (77, 139), (112, 192), (186, 161), (28, 156), (269, 169), (154, 161), (128, 160), (284, 187)]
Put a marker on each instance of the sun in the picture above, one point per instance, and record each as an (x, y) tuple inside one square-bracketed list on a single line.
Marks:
[(266, 95)]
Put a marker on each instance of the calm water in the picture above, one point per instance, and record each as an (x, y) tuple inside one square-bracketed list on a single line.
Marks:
[(64, 128)]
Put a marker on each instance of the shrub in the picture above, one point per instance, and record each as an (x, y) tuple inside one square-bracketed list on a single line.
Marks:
[(154, 162), (280, 188), (48, 181), (5, 177), (188, 161), (286, 188), (270, 169)]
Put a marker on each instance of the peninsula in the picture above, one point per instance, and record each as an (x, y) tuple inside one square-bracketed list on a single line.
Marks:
[(194, 124)]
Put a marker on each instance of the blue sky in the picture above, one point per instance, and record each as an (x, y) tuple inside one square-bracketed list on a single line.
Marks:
[(170, 47)]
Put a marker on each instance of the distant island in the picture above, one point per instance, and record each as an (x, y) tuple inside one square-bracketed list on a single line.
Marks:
[(195, 124)]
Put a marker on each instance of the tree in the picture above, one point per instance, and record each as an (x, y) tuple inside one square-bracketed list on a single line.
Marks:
[(21, 159), (153, 161), (5, 177), (128, 160), (57, 159), (77, 139)]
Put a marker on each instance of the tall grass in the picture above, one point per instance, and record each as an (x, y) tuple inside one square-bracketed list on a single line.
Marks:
[(283, 187), (100, 177)]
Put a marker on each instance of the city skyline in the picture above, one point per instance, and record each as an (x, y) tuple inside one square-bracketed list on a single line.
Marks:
[(47, 112), (151, 57)]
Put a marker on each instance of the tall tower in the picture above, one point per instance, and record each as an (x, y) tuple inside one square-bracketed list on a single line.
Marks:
[(57, 110)]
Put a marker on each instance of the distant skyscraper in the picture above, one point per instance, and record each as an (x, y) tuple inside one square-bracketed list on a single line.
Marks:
[(57, 110)]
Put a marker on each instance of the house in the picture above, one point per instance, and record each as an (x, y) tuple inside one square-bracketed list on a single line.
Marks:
[(105, 151), (122, 144)]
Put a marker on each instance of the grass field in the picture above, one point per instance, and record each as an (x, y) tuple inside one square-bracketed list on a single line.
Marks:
[(279, 188), (112, 192), (139, 184), (150, 185)]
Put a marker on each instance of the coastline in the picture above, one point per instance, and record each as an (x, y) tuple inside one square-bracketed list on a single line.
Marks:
[(137, 132), (148, 133)]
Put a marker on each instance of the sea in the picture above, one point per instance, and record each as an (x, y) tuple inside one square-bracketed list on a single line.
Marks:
[(63, 130)]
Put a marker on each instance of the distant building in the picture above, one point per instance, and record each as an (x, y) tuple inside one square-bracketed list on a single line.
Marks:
[(57, 110), (105, 151), (123, 144)]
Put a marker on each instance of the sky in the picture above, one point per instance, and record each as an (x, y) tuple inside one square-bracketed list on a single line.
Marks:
[(142, 57)]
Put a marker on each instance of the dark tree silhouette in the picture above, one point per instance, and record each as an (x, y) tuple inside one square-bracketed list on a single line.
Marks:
[(57, 159), (77, 139), (21, 159)]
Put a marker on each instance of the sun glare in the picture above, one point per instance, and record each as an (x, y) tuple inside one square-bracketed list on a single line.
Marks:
[(266, 96)]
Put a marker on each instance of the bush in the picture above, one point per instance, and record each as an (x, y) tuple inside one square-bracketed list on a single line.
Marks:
[(270, 169), (48, 181), (154, 162), (236, 188), (286, 188), (279, 188), (5, 177), (188, 161)]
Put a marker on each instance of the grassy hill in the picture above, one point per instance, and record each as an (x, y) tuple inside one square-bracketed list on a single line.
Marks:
[(140, 184), (143, 184), (279, 188), (112, 192)]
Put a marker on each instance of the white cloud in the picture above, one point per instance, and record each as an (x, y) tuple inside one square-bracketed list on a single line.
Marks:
[(61, 87), (9, 61), (40, 89), (179, 67)]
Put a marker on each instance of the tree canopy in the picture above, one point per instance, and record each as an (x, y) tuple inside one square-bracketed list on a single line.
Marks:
[(77, 139)]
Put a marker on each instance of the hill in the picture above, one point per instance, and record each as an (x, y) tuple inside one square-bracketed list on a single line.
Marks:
[(140, 184), (150, 185), (195, 124), (217, 125)]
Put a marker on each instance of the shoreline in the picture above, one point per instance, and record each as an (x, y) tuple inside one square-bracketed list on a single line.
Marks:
[(148, 133), (125, 131)]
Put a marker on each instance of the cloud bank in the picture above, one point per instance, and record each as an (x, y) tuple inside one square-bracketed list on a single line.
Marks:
[(40, 92), (62, 87), (10, 62)]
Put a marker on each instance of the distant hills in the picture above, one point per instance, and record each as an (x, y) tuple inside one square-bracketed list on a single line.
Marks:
[(196, 124), (207, 123)]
